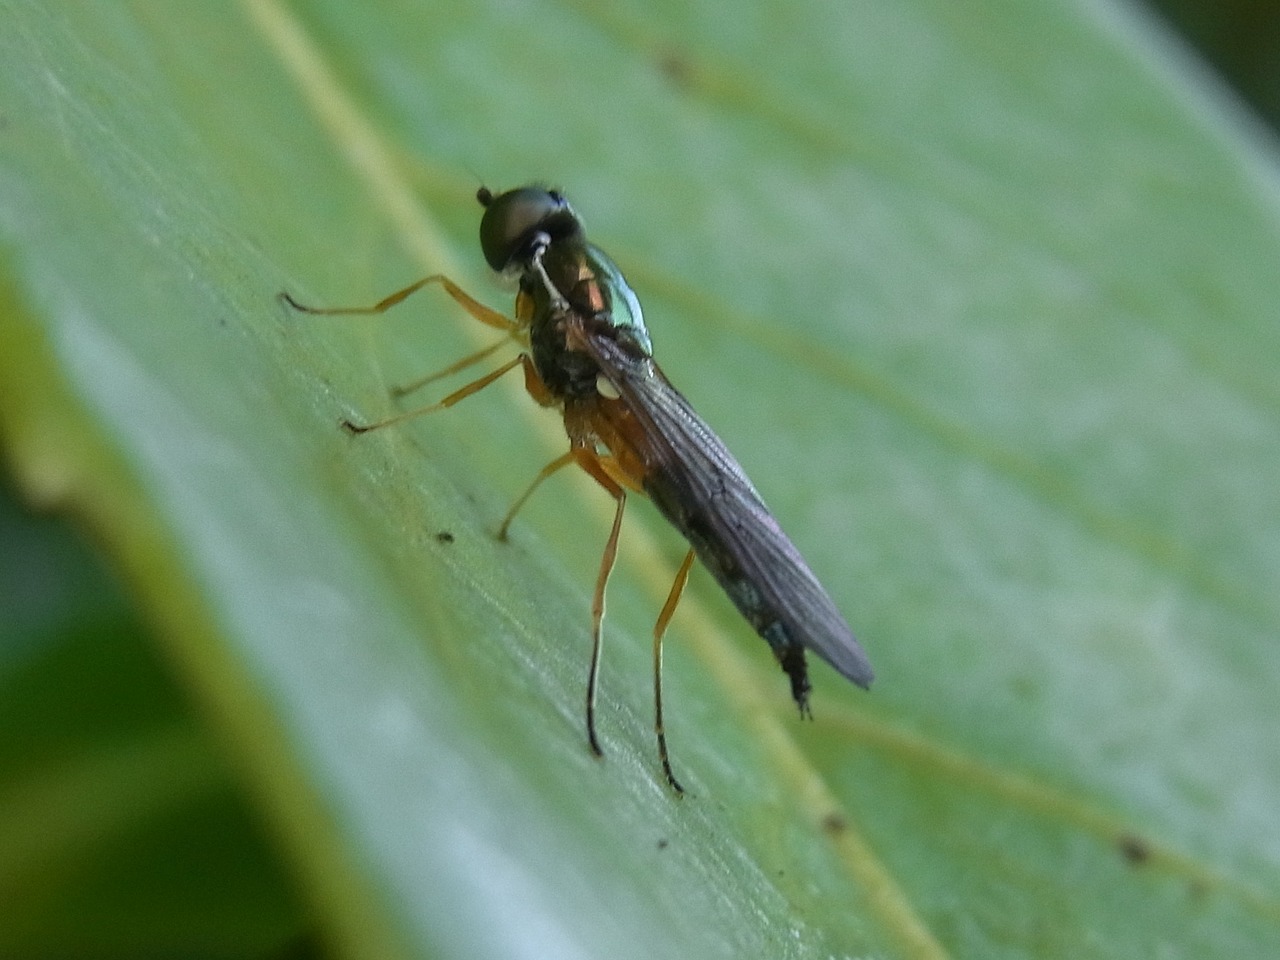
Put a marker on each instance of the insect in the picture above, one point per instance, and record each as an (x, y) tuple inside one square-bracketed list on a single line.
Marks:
[(585, 350)]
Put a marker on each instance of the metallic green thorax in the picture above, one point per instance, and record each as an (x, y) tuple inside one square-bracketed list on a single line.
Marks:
[(593, 288)]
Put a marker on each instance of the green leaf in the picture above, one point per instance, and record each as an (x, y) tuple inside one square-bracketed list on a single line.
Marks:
[(983, 299)]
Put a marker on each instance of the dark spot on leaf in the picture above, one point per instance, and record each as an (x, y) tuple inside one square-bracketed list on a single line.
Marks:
[(1134, 848), (444, 536), (675, 66), (835, 823)]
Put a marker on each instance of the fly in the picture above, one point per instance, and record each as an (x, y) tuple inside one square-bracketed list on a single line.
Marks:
[(585, 350)]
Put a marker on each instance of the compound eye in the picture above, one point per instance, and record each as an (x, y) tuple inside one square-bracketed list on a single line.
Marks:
[(513, 221)]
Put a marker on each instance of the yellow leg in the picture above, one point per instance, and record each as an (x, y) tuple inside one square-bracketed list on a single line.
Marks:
[(460, 394), (545, 472), (453, 368), (660, 628), (590, 462), (490, 318)]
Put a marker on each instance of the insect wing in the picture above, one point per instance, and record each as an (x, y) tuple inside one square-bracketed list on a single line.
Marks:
[(702, 490)]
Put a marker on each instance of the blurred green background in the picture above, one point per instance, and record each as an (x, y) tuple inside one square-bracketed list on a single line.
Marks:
[(1240, 39)]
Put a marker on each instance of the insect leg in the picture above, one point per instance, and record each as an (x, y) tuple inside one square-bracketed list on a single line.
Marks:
[(548, 470), (460, 394), (453, 368), (590, 462), (659, 629), (543, 395), (468, 303)]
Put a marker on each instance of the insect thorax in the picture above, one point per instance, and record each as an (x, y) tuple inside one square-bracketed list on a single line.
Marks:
[(593, 300)]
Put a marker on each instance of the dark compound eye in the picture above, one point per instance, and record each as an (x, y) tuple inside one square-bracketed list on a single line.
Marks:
[(515, 220)]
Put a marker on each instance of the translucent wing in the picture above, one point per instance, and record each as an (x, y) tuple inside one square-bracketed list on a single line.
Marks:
[(700, 488)]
